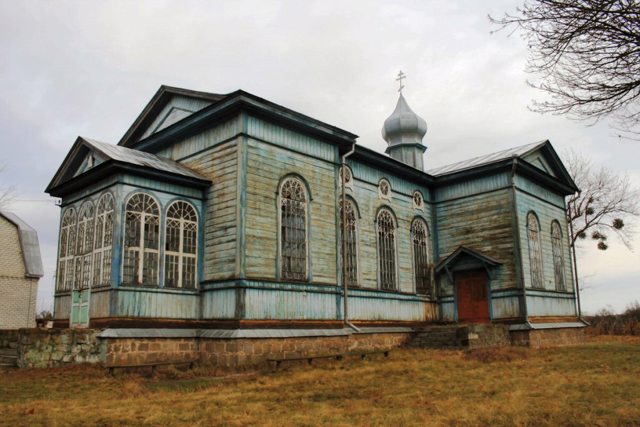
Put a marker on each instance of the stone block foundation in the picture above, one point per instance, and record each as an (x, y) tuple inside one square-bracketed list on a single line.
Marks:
[(537, 338)]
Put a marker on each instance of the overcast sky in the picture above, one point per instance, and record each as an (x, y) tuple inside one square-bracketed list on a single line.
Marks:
[(70, 68)]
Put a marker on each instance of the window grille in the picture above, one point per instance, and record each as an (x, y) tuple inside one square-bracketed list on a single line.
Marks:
[(535, 251), (349, 234), (386, 250), (384, 189), (420, 241), (66, 254), (84, 247), (141, 240), (558, 259), (418, 200), (181, 244), (293, 229), (102, 252)]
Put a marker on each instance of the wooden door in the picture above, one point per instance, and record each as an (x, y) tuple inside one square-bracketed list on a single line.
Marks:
[(80, 308), (472, 292)]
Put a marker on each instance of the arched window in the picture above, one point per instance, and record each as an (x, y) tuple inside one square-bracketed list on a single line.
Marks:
[(386, 249), (84, 246), (103, 241), (141, 240), (558, 259), (535, 251), (181, 246), (67, 251), (293, 229), (420, 242), (350, 243)]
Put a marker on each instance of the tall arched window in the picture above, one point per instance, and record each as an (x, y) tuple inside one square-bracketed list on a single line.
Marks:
[(386, 249), (293, 229), (558, 259), (181, 246), (420, 242), (84, 246), (141, 240), (350, 243), (67, 251), (103, 241), (535, 251)]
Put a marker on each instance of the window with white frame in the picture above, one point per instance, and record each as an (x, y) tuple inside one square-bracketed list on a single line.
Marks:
[(66, 251), (420, 242), (350, 243), (293, 229), (535, 251), (103, 242), (84, 246), (141, 240), (558, 258), (386, 230), (181, 246)]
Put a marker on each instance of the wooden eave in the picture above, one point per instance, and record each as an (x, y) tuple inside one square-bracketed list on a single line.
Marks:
[(375, 159), (111, 167), (156, 104), (236, 102)]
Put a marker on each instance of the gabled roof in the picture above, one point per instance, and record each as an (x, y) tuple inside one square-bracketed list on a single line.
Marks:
[(115, 154), (487, 158), (519, 157), (156, 104), (463, 251), (29, 244)]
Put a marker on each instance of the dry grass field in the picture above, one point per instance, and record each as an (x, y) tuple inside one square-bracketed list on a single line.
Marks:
[(596, 384)]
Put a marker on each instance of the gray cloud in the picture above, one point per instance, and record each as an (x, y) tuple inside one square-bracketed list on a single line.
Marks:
[(71, 68)]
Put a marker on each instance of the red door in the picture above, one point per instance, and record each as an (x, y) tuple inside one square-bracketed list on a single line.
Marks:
[(473, 301)]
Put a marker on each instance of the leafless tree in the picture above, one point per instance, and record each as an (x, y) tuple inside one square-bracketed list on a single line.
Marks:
[(587, 56), (606, 203)]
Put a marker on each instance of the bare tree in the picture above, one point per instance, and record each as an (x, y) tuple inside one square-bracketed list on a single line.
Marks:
[(606, 203), (587, 55)]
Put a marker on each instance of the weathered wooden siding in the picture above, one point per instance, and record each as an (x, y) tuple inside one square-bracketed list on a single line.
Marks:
[(197, 144), (219, 303), (220, 165), (365, 194), (377, 305), (62, 306), (548, 207), (482, 222), (267, 164), (99, 303), (541, 303), (156, 302)]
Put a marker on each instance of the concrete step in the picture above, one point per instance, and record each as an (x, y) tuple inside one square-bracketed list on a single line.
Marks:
[(8, 357), (461, 336)]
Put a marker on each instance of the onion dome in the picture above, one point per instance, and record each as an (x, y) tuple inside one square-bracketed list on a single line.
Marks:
[(403, 125)]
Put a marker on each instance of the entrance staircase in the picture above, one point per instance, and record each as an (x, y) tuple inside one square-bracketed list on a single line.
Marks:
[(8, 358), (457, 336)]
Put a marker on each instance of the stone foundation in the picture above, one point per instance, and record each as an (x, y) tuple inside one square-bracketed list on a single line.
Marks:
[(537, 338), (46, 348), (242, 352)]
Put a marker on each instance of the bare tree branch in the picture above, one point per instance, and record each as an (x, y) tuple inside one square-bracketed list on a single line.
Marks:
[(607, 202), (587, 56)]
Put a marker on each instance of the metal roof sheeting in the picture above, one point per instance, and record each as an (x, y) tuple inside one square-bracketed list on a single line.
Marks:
[(141, 158), (486, 159), (29, 243)]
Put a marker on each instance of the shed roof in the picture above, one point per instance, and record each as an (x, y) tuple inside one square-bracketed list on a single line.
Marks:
[(29, 244), (487, 158)]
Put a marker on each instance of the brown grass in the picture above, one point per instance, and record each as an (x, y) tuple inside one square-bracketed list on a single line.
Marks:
[(592, 384)]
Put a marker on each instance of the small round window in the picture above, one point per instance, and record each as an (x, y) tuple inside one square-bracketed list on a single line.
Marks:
[(418, 200), (384, 189)]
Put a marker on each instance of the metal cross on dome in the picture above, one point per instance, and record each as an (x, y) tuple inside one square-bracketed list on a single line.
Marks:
[(401, 76)]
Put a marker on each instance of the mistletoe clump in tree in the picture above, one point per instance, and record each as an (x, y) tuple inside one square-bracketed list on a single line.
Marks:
[(606, 203)]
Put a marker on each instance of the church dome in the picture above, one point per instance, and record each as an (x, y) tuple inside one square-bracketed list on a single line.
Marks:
[(404, 126)]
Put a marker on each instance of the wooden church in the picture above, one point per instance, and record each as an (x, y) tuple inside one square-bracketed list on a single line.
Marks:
[(230, 212)]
